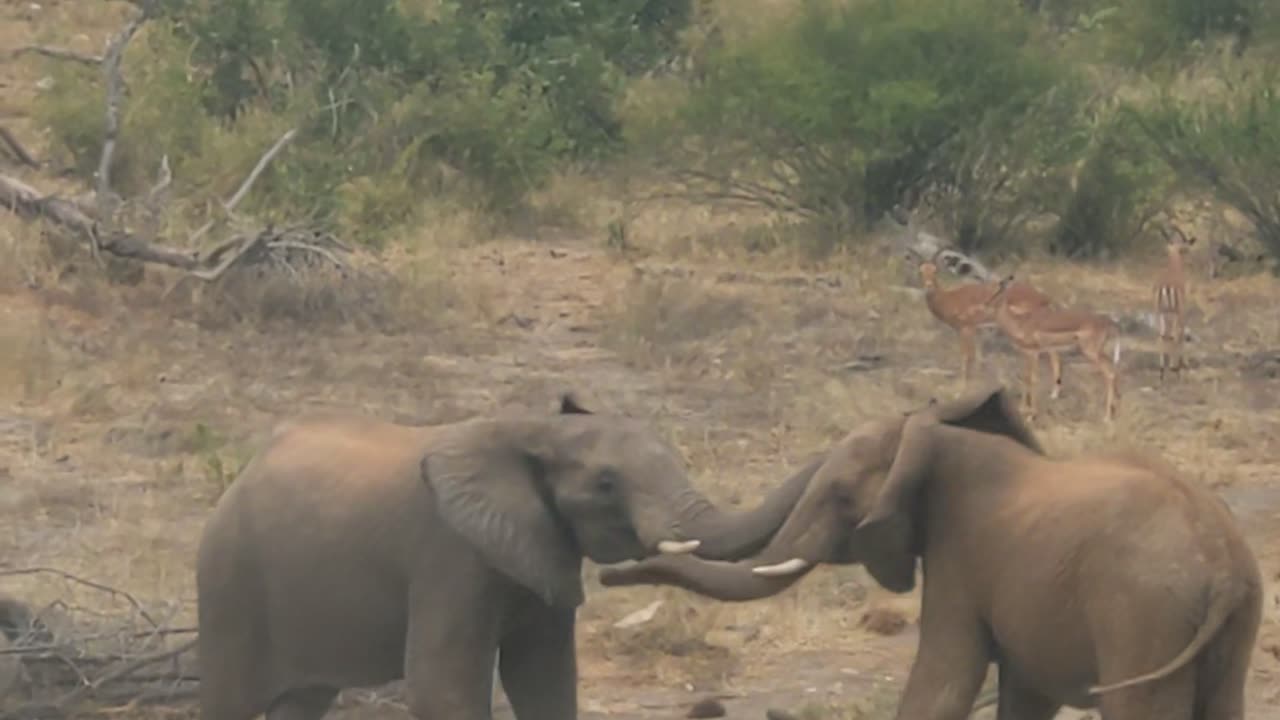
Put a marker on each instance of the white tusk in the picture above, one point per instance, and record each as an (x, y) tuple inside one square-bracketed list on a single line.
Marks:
[(675, 547), (790, 567)]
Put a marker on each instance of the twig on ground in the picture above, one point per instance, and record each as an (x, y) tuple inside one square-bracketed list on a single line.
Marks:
[(133, 601), (64, 673), (24, 157), (56, 53)]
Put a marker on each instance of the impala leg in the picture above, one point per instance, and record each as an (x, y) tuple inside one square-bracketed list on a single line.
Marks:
[(1030, 387), (1107, 370), (967, 347), (1055, 363), (1164, 344), (1176, 364)]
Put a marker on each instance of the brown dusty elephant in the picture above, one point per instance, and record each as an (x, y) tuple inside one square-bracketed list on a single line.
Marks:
[(1104, 581), (353, 552)]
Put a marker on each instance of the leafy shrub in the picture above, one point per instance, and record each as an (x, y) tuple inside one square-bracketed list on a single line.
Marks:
[(1117, 187), (381, 92), (1152, 30), (1227, 144), (852, 105)]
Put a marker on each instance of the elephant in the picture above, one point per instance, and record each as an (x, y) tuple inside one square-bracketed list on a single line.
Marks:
[(351, 551), (1106, 581)]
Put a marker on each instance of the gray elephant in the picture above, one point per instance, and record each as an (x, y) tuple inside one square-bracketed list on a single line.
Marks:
[(1103, 581), (353, 552)]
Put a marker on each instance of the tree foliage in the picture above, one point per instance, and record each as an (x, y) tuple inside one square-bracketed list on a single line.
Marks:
[(852, 106), (500, 90), (994, 112), (1226, 144)]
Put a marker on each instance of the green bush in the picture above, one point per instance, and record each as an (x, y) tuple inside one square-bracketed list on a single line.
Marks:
[(1227, 144), (381, 92), (1120, 182), (851, 106), (1147, 31)]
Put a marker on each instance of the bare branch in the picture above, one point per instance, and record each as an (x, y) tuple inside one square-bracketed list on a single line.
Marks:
[(87, 583), (230, 204), (56, 54), (257, 169), (26, 158), (115, 92)]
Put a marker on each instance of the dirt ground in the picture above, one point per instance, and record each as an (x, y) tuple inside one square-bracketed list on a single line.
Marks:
[(124, 416)]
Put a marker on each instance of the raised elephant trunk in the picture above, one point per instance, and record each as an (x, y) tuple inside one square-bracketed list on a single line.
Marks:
[(724, 581), (731, 536), (807, 537)]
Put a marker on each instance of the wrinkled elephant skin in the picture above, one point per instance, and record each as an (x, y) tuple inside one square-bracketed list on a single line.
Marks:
[(1106, 581), (352, 552)]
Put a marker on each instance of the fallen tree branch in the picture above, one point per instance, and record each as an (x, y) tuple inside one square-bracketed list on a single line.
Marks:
[(133, 601), (56, 53), (230, 205), (113, 663), (24, 157), (921, 246)]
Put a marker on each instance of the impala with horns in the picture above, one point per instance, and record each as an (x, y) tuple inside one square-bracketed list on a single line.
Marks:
[(964, 309)]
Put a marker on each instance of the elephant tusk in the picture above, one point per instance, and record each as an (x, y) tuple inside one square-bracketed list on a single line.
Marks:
[(790, 567), (675, 547)]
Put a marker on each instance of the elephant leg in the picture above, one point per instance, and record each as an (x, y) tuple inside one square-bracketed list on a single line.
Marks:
[(948, 670), (539, 668), (302, 704), (450, 649), (1019, 702), (1224, 668)]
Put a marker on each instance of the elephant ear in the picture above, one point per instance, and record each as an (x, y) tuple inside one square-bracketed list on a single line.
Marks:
[(490, 488), (888, 534)]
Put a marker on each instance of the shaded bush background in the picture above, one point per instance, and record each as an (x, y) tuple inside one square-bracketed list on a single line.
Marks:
[(1080, 116)]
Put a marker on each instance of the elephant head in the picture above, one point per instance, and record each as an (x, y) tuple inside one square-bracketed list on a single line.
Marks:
[(534, 495), (862, 505)]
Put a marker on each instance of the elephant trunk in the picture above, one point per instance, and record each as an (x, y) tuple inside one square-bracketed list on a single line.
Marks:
[(806, 539), (724, 581), (733, 536)]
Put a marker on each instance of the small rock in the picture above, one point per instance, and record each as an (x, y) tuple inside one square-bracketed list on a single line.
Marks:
[(884, 621), (706, 708), (776, 714)]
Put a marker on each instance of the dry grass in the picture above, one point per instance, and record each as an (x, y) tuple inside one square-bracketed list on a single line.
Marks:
[(121, 424)]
